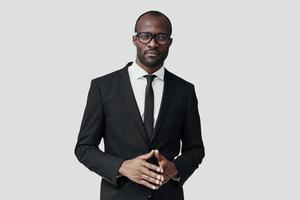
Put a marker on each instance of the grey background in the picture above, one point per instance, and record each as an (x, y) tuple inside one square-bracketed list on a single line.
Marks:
[(242, 57)]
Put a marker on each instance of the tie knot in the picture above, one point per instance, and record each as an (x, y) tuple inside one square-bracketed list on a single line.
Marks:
[(150, 77)]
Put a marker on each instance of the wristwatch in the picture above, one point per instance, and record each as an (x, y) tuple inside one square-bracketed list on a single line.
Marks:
[(176, 178)]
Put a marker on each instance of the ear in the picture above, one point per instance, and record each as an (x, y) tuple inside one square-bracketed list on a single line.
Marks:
[(170, 41), (134, 40)]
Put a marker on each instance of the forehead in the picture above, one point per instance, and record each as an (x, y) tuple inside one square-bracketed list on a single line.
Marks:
[(153, 24)]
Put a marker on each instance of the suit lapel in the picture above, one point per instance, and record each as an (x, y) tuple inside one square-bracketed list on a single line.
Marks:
[(133, 107), (165, 101), (130, 99)]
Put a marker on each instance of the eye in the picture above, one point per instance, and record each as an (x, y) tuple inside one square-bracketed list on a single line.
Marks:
[(145, 36), (162, 37)]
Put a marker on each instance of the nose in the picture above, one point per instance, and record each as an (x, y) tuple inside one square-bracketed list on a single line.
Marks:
[(152, 43)]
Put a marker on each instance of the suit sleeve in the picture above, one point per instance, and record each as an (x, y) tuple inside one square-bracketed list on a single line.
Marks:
[(192, 151), (90, 135)]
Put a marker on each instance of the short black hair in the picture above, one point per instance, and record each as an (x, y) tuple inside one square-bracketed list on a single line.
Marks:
[(154, 13)]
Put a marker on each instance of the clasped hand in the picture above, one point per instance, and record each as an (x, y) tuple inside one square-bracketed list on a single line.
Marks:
[(142, 172)]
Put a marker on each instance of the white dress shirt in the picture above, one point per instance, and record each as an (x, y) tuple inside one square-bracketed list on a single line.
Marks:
[(139, 83)]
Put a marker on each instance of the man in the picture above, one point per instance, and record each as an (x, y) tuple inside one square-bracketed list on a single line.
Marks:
[(142, 112)]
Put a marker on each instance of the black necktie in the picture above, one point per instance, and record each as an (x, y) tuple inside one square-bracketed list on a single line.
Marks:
[(149, 106)]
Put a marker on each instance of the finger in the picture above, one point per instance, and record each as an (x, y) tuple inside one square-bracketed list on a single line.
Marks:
[(152, 174), (157, 155), (147, 155), (152, 167), (151, 180), (163, 179), (149, 185), (159, 159)]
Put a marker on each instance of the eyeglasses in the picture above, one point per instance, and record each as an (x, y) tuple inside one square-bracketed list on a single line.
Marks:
[(160, 38)]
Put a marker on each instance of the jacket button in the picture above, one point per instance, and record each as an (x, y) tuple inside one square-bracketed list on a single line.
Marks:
[(149, 197)]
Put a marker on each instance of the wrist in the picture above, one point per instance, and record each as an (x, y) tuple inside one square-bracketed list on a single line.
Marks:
[(121, 170), (175, 171)]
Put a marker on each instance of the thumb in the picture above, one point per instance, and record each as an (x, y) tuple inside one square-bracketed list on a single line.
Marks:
[(147, 155)]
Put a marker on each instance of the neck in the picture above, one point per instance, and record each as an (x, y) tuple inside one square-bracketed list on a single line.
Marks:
[(149, 70)]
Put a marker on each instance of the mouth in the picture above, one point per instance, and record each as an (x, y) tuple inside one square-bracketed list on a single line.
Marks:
[(152, 53)]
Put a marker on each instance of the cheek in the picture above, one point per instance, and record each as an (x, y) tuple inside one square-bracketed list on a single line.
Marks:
[(165, 50), (140, 49)]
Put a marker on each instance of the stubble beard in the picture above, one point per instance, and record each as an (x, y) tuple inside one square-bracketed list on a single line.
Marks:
[(152, 64)]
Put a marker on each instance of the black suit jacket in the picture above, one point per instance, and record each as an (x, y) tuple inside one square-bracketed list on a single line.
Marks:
[(112, 113)]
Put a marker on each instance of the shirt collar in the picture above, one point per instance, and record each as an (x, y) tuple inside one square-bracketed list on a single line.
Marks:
[(139, 72)]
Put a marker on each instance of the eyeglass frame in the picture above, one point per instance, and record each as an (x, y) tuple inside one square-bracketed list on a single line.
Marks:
[(153, 36)]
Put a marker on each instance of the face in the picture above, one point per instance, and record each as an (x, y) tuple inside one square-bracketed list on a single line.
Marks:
[(152, 54)]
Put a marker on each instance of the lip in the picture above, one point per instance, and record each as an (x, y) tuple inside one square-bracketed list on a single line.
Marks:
[(152, 53)]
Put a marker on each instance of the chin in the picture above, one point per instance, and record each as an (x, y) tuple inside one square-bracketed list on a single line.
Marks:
[(153, 63)]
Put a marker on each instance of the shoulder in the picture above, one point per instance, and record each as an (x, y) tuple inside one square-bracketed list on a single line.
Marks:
[(111, 77), (179, 82), (106, 78)]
